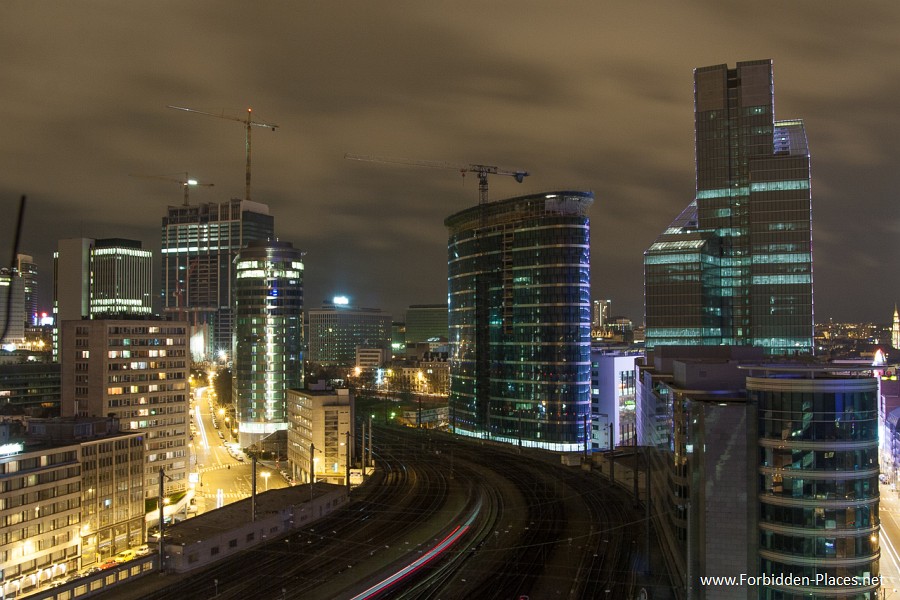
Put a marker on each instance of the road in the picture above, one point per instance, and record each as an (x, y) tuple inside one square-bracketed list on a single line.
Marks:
[(225, 475), (889, 514)]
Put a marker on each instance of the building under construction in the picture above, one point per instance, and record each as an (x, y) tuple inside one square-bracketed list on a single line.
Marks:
[(520, 322)]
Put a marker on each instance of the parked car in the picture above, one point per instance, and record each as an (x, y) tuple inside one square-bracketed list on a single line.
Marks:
[(108, 564), (125, 555)]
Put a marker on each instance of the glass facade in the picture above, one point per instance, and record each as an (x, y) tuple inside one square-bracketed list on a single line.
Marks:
[(336, 330), (754, 285), (519, 320), (268, 336), (199, 244), (120, 278), (817, 482)]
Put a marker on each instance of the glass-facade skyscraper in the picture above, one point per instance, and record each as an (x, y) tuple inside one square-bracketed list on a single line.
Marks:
[(520, 320), (268, 336), (199, 244), (735, 267)]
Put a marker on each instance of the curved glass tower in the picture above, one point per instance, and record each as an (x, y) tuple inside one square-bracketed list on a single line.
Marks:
[(520, 320), (268, 336), (818, 481)]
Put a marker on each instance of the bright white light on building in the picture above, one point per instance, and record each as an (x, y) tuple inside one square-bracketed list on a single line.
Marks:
[(342, 300)]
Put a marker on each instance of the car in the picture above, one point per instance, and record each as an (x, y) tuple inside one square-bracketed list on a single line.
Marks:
[(109, 564), (125, 555), (142, 550)]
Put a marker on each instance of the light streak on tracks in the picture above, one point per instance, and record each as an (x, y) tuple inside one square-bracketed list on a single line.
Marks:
[(426, 558)]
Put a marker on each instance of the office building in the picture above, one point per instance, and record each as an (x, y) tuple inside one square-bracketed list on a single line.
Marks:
[(87, 505), (601, 314), (12, 308), (337, 328), (120, 278), (320, 419), (612, 397), (735, 267), (137, 371), (99, 278), (199, 244), (30, 388), (818, 477), (369, 358), (520, 320), (720, 427), (268, 337), (425, 322), (28, 271)]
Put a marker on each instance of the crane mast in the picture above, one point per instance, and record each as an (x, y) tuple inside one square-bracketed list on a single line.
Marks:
[(186, 182), (482, 171), (247, 121)]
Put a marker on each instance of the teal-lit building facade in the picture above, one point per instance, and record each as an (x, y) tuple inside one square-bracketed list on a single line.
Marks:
[(520, 319), (268, 336), (735, 268)]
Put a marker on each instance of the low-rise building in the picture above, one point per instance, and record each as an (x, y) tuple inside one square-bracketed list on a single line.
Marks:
[(321, 419), (222, 533)]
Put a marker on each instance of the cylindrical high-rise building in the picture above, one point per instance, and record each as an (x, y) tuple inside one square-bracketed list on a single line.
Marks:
[(268, 336), (520, 320), (818, 480)]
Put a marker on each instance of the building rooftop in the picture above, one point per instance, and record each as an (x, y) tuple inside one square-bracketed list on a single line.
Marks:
[(204, 526)]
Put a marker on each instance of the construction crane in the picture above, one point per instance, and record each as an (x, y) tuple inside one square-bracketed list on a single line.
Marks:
[(248, 121), (482, 171), (186, 182)]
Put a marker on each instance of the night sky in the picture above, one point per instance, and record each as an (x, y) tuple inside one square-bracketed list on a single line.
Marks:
[(584, 95)]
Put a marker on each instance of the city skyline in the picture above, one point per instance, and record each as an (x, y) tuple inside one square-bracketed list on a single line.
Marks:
[(583, 97)]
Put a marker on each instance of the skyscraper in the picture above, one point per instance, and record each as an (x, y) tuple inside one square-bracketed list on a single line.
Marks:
[(199, 244), (12, 307), (736, 266), (120, 278), (28, 272), (520, 320), (268, 336), (99, 278)]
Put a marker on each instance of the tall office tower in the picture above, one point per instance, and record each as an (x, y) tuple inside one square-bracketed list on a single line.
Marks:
[(28, 272), (735, 267), (71, 284), (12, 307), (136, 370), (97, 278), (120, 278), (337, 329), (199, 244), (601, 315), (268, 336), (425, 322), (895, 328), (520, 320)]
